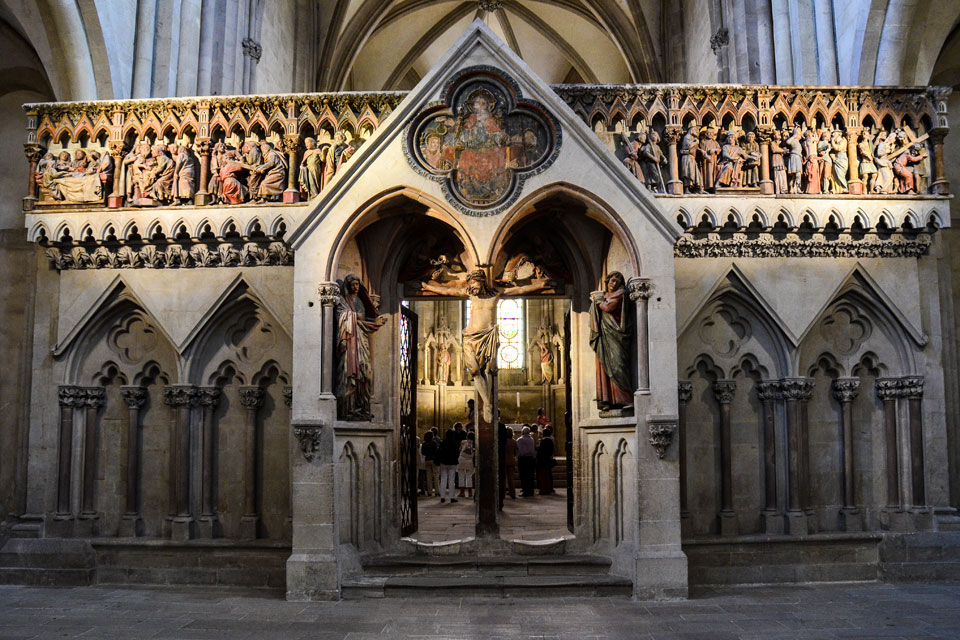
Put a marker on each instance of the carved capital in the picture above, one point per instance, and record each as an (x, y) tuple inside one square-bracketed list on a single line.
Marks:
[(202, 147), (309, 439), (251, 397), (134, 397), (94, 397), (288, 396), (797, 388), (724, 390), (685, 390), (661, 435), (888, 388), (846, 389), (70, 396), (178, 395), (911, 386), (291, 143), (673, 134), (329, 293), (769, 390), (208, 396), (33, 151), (117, 149), (639, 288)]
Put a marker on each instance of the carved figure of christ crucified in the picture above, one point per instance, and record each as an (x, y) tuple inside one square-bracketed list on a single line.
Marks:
[(480, 335)]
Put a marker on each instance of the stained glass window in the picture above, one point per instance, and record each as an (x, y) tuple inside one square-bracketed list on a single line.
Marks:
[(510, 322)]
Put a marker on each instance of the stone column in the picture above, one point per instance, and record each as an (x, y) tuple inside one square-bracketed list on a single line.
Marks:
[(69, 397), (488, 466), (94, 398), (806, 392), (795, 392), (845, 391), (887, 391), (116, 197), (768, 391), (724, 391), (854, 185), (685, 393), (203, 196), (766, 184), (288, 402), (132, 522), (182, 525), (912, 390), (329, 294), (32, 151), (940, 184), (673, 135), (640, 291), (290, 145), (208, 398), (252, 399)]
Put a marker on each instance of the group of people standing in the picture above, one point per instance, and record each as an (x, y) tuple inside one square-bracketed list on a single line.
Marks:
[(448, 465)]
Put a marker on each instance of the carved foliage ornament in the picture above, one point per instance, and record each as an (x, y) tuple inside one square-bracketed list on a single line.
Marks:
[(482, 141), (661, 435), (309, 439)]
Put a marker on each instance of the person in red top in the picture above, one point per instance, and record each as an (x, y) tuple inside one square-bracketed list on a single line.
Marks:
[(542, 419)]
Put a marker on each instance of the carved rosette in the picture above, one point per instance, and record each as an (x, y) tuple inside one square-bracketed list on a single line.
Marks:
[(329, 293), (288, 396), (180, 395), (251, 397), (661, 435), (134, 397), (768, 390), (309, 439), (797, 388), (724, 390), (846, 389), (685, 391), (639, 288)]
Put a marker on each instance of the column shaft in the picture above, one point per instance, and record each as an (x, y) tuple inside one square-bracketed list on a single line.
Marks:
[(94, 400), (67, 399)]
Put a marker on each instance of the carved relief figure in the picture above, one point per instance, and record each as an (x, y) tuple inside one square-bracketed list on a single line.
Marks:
[(868, 168), (632, 150), (156, 180), (794, 149), (729, 170), (231, 188), (689, 169), (825, 165), (751, 161), (272, 170), (70, 180), (357, 319), (709, 152), (311, 169), (332, 158), (881, 149), (811, 162), (611, 339), (251, 159), (778, 167), (841, 162), (185, 171), (480, 336), (651, 159)]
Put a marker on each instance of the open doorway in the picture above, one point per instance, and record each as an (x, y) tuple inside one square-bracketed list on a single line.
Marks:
[(533, 373)]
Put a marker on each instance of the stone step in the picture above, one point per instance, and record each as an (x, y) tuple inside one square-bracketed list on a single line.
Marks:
[(567, 565), (537, 586), (948, 523)]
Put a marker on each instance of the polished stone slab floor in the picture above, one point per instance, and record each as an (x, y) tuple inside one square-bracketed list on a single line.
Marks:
[(536, 518), (868, 610)]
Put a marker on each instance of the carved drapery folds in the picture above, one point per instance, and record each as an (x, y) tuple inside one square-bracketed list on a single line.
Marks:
[(815, 140), (242, 143)]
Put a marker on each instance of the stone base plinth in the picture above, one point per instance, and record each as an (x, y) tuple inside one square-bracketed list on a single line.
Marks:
[(47, 562), (660, 576), (291, 196), (727, 521), (181, 528), (908, 520), (207, 527), (773, 523), (796, 523), (312, 577), (851, 519), (248, 527), (203, 199), (131, 526), (114, 202)]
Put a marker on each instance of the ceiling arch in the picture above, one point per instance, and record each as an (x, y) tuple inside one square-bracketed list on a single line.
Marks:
[(597, 41)]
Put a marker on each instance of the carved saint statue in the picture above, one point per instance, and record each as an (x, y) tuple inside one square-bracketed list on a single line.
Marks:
[(611, 338), (480, 336), (544, 344), (443, 365), (357, 318)]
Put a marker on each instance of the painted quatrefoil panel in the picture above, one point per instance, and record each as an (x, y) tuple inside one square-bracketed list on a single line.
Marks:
[(482, 141)]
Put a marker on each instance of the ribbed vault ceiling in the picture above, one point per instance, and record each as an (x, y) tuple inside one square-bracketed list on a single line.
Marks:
[(391, 44)]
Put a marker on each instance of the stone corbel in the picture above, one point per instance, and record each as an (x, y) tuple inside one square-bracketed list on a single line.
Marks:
[(309, 439), (661, 429)]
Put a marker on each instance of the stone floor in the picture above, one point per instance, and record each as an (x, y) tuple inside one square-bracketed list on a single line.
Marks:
[(537, 518), (775, 613)]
